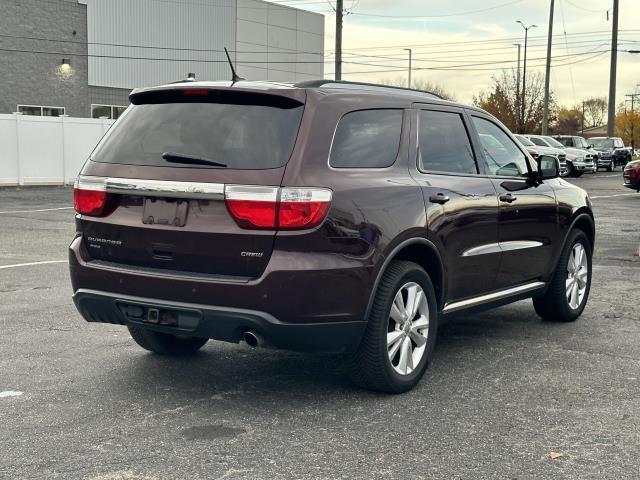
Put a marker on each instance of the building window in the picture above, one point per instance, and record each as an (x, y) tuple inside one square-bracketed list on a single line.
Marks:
[(109, 111), (41, 111)]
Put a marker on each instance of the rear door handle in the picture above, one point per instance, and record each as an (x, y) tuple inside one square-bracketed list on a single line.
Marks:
[(507, 197), (440, 198)]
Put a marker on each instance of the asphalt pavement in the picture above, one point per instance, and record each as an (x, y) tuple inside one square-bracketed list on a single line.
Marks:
[(505, 393)]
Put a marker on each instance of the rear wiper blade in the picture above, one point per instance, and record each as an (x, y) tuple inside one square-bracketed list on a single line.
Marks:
[(174, 157)]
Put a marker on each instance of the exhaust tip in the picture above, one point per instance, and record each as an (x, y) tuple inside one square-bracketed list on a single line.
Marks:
[(252, 339)]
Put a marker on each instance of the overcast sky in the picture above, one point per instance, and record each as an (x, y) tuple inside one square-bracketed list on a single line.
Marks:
[(468, 44)]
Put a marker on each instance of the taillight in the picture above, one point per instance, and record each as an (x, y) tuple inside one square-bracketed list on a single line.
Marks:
[(251, 206), (90, 196), (302, 207), (255, 207)]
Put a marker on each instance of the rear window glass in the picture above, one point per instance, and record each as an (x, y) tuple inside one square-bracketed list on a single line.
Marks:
[(367, 139), (240, 136), (443, 143)]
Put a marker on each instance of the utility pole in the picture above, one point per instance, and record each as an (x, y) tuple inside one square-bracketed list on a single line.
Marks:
[(518, 90), (410, 55), (582, 130), (339, 12), (633, 118), (545, 114), (524, 76), (611, 119)]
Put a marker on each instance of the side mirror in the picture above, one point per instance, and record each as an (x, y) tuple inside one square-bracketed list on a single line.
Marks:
[(591, 145), (548, 167)]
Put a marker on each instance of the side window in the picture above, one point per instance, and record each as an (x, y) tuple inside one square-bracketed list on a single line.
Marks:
[(444, 144), (538, 141), (504, 158), (367, 139)]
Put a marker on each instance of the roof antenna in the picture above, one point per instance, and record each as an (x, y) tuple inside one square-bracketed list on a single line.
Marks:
[(234, 76)]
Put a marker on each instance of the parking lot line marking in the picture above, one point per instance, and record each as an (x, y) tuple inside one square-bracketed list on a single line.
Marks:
[(37, 210), (616, 195), (10, 393), (32, 263)]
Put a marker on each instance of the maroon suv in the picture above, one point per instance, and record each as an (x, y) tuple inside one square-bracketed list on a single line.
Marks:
[(319, 216)]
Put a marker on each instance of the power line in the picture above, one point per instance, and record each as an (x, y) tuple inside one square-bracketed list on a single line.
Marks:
[(580, 7), (480, 42), (451, 69), (419, 17)]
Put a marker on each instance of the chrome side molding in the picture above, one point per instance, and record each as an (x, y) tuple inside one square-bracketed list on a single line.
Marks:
[(498, 247), (160, 188), (490, 297)]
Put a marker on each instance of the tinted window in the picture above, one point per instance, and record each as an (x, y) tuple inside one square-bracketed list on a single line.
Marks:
[(566, 141), (443, 143), (539, 141), (602, 143), (504, 158), (552, 142), (525, 141), (367, 139), (246, 136)]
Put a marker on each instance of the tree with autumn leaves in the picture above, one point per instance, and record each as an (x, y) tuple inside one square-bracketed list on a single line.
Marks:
[(628, 126), (502, 101)]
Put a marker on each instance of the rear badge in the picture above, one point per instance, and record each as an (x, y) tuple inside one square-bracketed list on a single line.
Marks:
[(251, 254)]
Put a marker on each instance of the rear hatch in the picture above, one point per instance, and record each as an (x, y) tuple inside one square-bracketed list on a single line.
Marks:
[(164, 168)]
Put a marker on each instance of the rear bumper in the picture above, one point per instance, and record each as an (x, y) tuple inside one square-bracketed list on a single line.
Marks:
[(308, 302), (220, 323)]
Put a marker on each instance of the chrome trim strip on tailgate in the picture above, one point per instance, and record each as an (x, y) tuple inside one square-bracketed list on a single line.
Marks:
[(162, 188), (528, 287)]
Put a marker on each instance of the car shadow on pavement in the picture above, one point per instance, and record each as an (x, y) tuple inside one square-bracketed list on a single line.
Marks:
[(223, 370)]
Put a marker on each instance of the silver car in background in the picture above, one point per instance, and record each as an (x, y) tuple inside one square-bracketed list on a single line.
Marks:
[(579, 161), (536, 150)]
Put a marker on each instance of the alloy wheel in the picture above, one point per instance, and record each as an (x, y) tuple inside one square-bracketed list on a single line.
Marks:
[(408, 328), (577, 276)]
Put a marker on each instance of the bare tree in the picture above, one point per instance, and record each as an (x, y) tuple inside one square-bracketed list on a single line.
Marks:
[(595, 111), (419, 84), (501, 100)]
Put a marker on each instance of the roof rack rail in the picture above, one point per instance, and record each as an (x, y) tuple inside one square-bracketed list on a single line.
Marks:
[(322, 83)]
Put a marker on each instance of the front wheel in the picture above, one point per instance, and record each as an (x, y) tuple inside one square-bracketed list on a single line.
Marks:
[(164, 343), (568, 291), (401, 330)]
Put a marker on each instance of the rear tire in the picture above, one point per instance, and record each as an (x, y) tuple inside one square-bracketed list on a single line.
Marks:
[(400, 336), (164, 343), (568, 292)]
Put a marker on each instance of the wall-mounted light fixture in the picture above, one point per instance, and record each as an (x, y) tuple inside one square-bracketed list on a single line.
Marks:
[(65, 70)]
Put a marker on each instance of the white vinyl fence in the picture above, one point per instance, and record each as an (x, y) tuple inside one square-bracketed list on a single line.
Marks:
[(46, 150)]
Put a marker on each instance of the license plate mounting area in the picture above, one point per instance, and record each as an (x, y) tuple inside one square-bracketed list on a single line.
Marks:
[(165, 212)]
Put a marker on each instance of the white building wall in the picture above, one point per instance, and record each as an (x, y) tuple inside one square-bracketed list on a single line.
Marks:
[(188, 36), (272, 41), (292, 41)]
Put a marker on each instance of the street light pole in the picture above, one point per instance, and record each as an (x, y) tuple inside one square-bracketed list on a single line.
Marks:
[(410, 54), (339, 15), (524, 76), (611, 119), (545, 114), (518, 90)]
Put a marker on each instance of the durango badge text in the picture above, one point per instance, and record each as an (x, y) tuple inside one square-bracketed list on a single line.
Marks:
[(320, 216)]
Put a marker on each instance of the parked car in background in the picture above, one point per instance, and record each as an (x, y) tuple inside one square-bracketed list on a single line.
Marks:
[(579, 161), (319, 216), (536, 150), (576, 141), (611, 152), (631, 175)]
